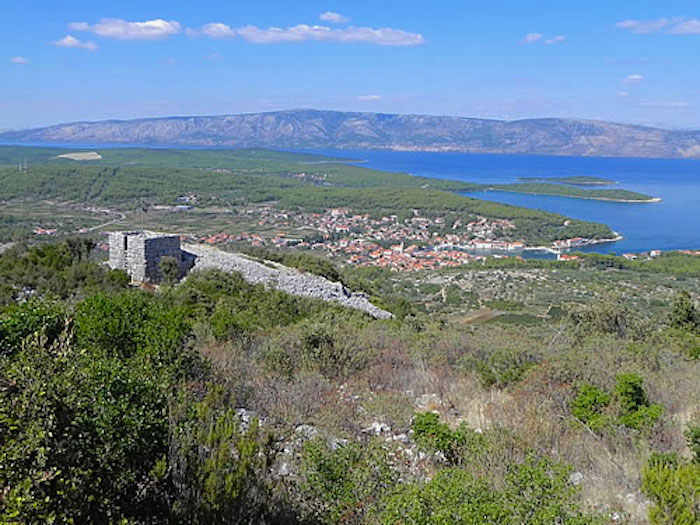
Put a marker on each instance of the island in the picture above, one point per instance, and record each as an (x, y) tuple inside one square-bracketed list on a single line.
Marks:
[(577, 180)]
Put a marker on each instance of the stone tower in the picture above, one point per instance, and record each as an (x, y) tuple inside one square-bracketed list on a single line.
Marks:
[(139, 254)]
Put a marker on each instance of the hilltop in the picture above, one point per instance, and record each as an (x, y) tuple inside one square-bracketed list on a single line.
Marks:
[(348, 130)]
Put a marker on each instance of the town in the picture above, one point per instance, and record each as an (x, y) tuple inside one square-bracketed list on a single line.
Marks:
[(412, 243)]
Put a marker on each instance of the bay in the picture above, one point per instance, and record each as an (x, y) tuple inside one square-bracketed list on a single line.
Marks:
[(672, 224)]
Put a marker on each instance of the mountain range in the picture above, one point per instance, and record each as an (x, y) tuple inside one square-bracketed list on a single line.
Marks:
[(315, 129)]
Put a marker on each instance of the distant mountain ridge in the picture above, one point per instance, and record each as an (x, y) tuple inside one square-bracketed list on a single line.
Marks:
[(316, 129)]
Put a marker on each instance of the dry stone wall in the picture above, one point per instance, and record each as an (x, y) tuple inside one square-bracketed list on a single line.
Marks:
[(289, 280)]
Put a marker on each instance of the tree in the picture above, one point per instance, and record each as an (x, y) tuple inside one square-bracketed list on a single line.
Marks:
[(683, 314), (169, 269)]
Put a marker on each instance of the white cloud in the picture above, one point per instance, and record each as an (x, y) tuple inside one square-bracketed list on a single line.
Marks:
[(217, 30), (633, 79), (19, 60), (386, 36), (79, 26), (675, 26), (333, 18), (369, 98), (687, 27), (71, 41), (623, 94), (531, 38), (555, 40), (123, 30)]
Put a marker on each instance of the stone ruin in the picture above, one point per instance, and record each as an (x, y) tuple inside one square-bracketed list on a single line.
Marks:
[(139, 254)]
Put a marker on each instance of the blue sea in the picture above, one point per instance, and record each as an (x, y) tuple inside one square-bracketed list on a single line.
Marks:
[(672, 224)]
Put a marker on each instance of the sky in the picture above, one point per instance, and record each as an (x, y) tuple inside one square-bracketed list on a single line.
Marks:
[(617, 60)]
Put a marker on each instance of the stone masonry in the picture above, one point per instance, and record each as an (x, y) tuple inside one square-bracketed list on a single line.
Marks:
[(280, 277), (139, 254)]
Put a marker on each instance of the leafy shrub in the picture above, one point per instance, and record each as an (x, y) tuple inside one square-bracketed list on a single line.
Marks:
[(216, 469), (169, 269), (692, 437), (588, 405), (457, 446), (344, 485), (32, 317), (672, 484), (535, 492), (684, 315), (79, 435), (634, 407), (502, 367)]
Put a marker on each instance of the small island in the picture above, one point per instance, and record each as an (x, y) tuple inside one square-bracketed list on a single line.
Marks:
[(580, 180), (560, 190)]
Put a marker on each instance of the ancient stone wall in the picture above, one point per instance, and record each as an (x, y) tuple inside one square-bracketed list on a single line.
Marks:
[(289, 280)]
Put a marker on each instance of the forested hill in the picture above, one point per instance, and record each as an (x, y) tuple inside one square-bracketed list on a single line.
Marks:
[(333, 129)]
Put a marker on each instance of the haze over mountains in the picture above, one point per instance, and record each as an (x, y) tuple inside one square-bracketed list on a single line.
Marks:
[(349, 130)]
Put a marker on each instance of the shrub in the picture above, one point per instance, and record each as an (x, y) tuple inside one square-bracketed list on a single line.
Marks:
[(502, 367), (535, 492), (588, 406), (683, 314), (169, 269), (457, 446), (32, 317), (216, 468), (692, 436), (606, 317), (672, 484), (633, 404), (344, 485)]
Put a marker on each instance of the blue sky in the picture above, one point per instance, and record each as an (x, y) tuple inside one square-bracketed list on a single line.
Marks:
[(627, 61)]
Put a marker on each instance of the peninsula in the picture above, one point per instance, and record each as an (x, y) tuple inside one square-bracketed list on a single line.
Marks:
[(578, 180), (561, 190)]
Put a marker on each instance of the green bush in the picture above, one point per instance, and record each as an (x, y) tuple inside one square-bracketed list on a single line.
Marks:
[(589, 404), (44, 318), (215, 469), (692, 437), (684, 315), (673, 485), (536, 491), (502, 367), (457, 446), (344, 485), (635, 411)]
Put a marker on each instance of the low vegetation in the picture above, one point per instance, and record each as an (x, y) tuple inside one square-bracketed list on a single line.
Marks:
[(217, 401), (132, 180)]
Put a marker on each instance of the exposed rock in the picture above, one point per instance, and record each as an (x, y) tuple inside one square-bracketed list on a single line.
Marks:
[(377, 428), (306, 431), (575, 478)]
